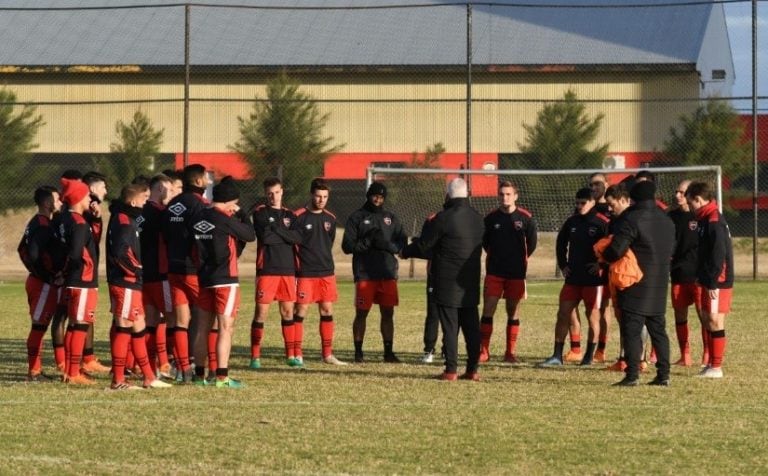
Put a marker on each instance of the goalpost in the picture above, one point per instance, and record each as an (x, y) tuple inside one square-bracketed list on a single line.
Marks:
[(414, 194)]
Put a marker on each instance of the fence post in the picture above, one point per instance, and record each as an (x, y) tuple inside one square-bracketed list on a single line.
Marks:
[(187, 13), (469, 96), (755, 169)]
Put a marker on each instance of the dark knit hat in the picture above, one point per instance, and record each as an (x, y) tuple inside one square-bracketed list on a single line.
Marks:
[(73, 191), (645, 190), (226, 190), (377, 188)]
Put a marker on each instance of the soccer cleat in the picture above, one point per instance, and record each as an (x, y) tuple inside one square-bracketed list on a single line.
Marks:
[(484, 355), (448, 376), (428, 358), (551, 362), (391, 358), (229, 383), (659, 382), (165, 372), (685, 361), (627, 382), (124, 386), (199, 381), (80, 379), (38, 377), (295, 362), (255, 364), (511, 358), (95, 367), (332, 360), (711, 372), (573, 356), (599, 357), (157, 383), (618, 366), (473, 376)]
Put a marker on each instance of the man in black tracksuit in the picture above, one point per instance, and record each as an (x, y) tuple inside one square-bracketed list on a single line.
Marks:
[(456, 243), (650, 234)]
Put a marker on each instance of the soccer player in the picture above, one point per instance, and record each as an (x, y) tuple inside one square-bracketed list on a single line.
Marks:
[(177, 182), (315, 271), (43, 283), (97, 186), (373, 236), (221, 235), (598, 183), (178, 219), (80, 271), (583, 280), (509, 240), (124, 275), (275, 271), (683, 272), (156, 290), (714, 273)]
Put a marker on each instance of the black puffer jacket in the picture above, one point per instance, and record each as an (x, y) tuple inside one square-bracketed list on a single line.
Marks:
[(455, 241), (650, 234)]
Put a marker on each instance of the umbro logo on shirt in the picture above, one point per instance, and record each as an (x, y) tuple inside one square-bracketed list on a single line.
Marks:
[(204, 226), (177, 209), (140, 220), (308, 226)]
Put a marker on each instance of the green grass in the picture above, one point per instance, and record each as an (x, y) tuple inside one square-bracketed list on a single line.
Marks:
[(384, 419)]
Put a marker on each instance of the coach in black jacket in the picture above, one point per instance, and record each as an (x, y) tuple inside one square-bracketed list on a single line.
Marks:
[(455, 242), (650, 234)]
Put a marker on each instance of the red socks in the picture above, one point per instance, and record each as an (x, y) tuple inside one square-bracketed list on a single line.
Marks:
[(513, 330), (326, 335), (76, 336), (160, 344), (717, 348), (298, 335), (121, 340), (213, 339), (288, 337), (181, 346), (681, 329), (486, 330), (35, 347), (257, 335), (139, 344)]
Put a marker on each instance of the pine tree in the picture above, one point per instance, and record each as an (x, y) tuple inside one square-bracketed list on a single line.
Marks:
[(283, 137)]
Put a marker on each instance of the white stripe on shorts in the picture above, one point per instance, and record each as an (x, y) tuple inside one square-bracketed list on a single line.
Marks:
[(167, 297), (42, 300), (714, 303), (125, 312), (599, 297), (83, 295)]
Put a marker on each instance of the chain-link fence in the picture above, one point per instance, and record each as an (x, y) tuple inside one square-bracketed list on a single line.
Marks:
[(252, 90)]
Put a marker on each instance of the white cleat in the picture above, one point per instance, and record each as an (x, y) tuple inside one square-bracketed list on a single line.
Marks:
[(711, 372), (157, 383), (332, 360), (428, 358)]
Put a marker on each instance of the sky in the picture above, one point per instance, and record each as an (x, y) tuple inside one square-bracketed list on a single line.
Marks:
[(739, 21)]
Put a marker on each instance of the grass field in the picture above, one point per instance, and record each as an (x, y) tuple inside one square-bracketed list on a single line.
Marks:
[(394, 419)]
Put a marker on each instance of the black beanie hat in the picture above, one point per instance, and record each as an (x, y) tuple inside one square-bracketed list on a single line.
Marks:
[(226, 190), (645, 190), (377, 188)]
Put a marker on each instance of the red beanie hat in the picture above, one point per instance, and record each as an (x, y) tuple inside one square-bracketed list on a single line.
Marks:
[(73, 191)]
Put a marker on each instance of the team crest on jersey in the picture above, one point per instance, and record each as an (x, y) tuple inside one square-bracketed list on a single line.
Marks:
[(387, 221), (366, 222), (592, 231), (308, 226), (203, 226), (327, 225), (177, 208), (693, 225), (497, 226), (287, 222), (518, 224), (302, 294), (271, 219)]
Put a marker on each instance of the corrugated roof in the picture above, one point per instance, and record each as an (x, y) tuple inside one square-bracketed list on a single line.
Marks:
[(434, 35)]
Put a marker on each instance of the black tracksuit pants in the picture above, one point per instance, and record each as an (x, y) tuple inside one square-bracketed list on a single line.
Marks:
[(431, 324), (631, 330), (468, 320)]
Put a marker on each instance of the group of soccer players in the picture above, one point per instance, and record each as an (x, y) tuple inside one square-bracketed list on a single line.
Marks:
[(172, 272)]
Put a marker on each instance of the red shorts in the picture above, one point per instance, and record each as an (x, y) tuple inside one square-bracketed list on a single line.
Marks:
[(495, 286), (591, 295), (184, 289), (382, 292), (685, 294), (221, 300), (275, 288), (719, 305), (158, 295), (126, 303), (312, 290), (81, 304), (43, 299)]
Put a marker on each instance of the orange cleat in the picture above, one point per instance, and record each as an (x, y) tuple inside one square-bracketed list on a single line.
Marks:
[(599, 357), (618, 366), (95, 367), (685, 361), (484, 354), (572, 356), (80, 379), (448, 376)]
